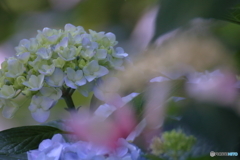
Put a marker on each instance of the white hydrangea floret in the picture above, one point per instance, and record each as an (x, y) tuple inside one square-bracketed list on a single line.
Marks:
[(35, 83), (40, 108), (94, 70), (56, 79), (7, 92), (15, 67), (74, 78)]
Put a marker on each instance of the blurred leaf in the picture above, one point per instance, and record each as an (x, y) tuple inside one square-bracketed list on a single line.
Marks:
[(22, 139), (14, 157), (152, 157), (175, 13), (233, 15), (7, 20), (138, 104), (17, 6)]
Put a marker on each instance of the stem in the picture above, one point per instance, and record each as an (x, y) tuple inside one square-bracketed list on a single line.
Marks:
[(67, 96)]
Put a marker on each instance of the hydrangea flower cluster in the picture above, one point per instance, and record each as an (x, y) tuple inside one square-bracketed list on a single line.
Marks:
[(58, 149), (56, 60)]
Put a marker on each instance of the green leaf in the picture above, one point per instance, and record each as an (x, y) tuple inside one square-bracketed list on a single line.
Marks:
[(138, 103), (152, 157), (22, 139), (14, 157), (175, 13), (233, 15)]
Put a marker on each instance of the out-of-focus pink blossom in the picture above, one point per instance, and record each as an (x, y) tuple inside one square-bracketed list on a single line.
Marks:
[(212, 86), (101, 131)]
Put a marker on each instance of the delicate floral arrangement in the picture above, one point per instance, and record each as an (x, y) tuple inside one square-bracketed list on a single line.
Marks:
[(58, 63), (54, 65)]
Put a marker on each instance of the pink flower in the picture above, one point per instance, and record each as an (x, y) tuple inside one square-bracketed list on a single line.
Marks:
[(101, 131), (213, 86)]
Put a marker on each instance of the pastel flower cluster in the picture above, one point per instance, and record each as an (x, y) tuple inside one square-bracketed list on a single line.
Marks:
[(56, 60), (58, 149)]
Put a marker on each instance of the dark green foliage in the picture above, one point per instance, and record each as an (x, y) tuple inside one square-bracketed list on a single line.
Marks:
[(174, 13), (22, 139)]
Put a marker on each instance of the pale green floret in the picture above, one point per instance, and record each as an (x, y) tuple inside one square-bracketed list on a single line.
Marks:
[(35, 83), (74, 30), (74, 79), (97, 36), (116, 63), (37, 63), (47, 70), (51, 92), (45, 53), (23, 57), (68, 54), (112, 38), (62, 45), (26, 91), (94, 70), (9, 108), (101, 54), (27, 46), (4, 66), (18, 83), (48, 36), (15, 67), (82, 63), (88, 53), (59, 62), (7, 92), (56, 79)]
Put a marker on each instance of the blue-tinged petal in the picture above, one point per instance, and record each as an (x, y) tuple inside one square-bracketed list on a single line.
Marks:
[(40, 115), (86, 89), (47, 103), (81, 82), (78, 75), (44, 53), (53, 93), (159, 79), (69, 27), (93, 66), (24, 57), (99, 94), (70, 83), (47, 70), (111, 36), (101, 54), (62, 44), (105, 110), (120, 53), (85, 41), (70, 73), (90, 78), (45, 144), (129, 97), (53, 38), (101, 72), (9, 109), (56, 79)]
